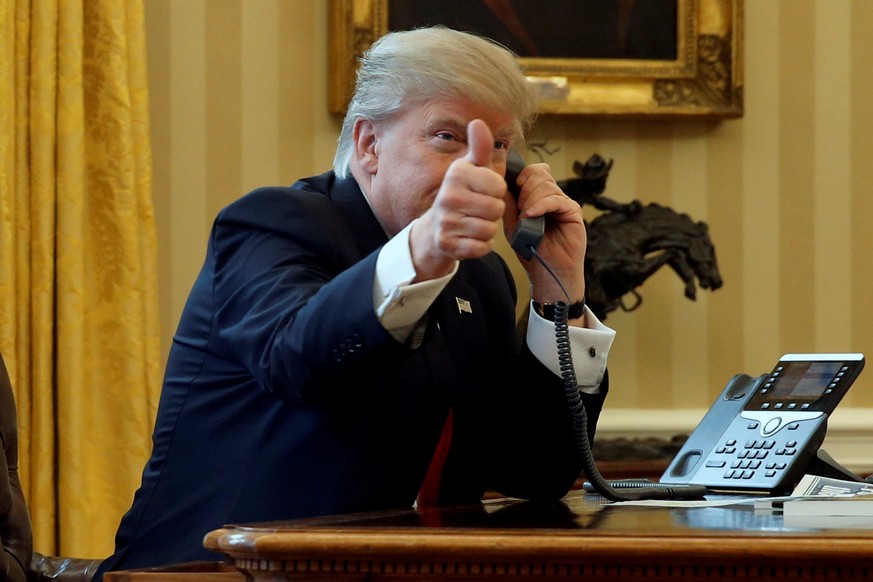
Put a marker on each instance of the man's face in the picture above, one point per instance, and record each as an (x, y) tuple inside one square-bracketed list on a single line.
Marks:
[(412, 152)]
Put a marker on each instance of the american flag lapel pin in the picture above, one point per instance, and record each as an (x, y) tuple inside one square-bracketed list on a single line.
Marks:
[(463, 305)]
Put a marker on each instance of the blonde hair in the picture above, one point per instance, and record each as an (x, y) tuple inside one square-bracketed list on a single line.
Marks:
[(412, 66)]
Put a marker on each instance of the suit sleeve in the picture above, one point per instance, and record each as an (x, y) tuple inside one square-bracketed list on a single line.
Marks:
[(287, 299)]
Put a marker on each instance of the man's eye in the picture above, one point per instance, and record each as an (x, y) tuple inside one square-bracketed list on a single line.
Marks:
[(445, 135), (501, 145)]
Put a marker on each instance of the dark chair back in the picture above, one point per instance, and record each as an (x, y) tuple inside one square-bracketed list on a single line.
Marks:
[(19, 562), (15, 531)]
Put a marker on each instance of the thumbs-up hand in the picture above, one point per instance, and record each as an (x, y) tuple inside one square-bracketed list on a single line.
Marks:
[(464, 217), (480, 143)]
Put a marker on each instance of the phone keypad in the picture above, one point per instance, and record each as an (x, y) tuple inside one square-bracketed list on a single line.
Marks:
[(753, 456), (750, 459)]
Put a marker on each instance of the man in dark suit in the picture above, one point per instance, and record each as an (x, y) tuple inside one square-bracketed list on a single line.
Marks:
[(340, 326)]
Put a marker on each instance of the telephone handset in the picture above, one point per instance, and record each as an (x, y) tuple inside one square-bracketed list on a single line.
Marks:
[(763, 434), (528, 232)]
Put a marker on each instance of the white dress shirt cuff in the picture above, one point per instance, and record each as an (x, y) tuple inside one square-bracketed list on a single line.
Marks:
[(399, 303), (589, 347)]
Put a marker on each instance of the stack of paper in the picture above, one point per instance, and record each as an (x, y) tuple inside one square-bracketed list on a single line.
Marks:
[(832, 503)]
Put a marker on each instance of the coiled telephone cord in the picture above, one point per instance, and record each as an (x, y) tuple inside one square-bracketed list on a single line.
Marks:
[(580, 420)]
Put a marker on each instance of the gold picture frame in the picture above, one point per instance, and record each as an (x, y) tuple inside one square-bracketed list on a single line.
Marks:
[(704, 80)]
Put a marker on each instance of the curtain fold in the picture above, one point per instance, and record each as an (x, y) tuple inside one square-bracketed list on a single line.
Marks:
[(78, 275)]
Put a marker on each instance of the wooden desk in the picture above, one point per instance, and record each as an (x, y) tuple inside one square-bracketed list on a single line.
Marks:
[(578, 539)]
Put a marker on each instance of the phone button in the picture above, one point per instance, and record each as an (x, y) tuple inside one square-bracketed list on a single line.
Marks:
[(772, 426), (772, 422)]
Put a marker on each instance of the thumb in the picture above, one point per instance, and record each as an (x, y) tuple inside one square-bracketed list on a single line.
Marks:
[(480, 142)]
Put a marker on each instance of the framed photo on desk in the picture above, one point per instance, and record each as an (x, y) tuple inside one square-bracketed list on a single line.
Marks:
[(641, 58)]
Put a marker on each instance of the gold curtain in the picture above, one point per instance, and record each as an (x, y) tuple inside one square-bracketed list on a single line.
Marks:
[(78, 275)]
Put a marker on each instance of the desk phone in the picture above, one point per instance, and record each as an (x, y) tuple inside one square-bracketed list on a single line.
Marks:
[(763, 434)]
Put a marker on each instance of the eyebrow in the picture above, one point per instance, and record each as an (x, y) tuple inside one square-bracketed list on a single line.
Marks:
[(450, 122), (461, 127)]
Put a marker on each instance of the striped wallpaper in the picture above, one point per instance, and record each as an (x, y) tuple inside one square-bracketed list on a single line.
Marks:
[(239, 101)]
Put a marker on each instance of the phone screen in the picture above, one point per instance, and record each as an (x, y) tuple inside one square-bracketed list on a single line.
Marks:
[(804, 385), (804, 382)]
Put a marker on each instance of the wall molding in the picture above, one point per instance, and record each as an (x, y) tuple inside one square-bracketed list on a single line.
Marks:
[(849, 440)]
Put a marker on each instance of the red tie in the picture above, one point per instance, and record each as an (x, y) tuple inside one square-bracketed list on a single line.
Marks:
[(429, 494)]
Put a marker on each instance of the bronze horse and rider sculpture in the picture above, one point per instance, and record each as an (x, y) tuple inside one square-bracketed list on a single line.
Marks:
[(629, 242)]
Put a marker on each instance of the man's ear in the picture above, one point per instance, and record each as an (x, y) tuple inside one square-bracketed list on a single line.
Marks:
[(364, 136)]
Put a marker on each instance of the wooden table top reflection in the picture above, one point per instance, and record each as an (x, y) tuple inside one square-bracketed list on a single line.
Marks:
[(579, 538)]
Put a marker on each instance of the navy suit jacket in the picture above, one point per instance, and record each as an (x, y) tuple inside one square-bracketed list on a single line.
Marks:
[(285, 397)]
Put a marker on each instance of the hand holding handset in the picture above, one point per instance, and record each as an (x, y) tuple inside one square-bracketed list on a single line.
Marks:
[(528, 233), (525, 240)]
